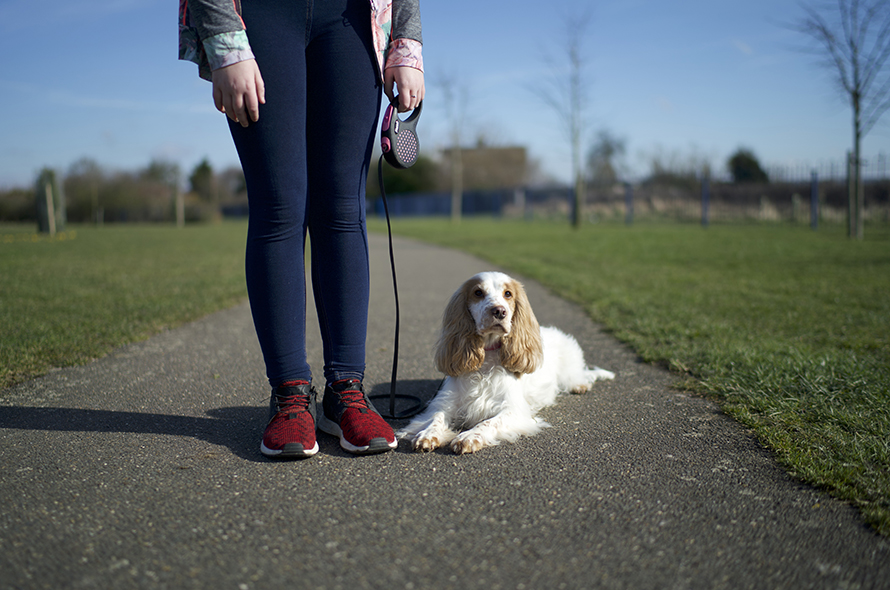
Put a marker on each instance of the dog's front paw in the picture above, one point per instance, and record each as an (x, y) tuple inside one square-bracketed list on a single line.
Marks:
[(467, 444), (425, 443)]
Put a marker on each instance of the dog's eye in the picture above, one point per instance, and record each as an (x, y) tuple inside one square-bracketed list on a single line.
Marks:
[(508, 294), (479, 293)]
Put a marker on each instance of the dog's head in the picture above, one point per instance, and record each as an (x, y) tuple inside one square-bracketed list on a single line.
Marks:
[(489, 312)]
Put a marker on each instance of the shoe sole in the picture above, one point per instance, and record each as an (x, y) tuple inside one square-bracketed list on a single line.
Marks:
[(374, 446), (289, 451)]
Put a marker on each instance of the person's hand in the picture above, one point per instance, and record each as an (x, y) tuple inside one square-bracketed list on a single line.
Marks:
[(409, 82), (238, 91)]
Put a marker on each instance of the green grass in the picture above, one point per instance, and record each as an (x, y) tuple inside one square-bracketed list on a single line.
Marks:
[(787, 328), (70, 300)]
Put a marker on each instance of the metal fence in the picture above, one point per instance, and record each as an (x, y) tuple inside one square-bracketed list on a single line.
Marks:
[(795, 194)]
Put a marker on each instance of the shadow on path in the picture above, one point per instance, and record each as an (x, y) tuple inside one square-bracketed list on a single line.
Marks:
[(238, 427)]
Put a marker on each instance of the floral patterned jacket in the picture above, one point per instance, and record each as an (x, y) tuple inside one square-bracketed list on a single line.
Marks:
[(212, 34)]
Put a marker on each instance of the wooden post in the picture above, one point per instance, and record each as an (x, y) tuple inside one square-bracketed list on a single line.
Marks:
[(860, 202), (98, 212), (457, 182), (705, 200), (628, 204), (851, 196), (814, 201), (179, 200), (50, 209), (579, 200)]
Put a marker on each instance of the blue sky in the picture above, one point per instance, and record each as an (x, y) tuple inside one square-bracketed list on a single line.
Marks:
[(100, 79)]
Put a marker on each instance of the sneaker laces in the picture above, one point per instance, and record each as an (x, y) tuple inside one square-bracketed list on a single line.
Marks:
[(291, 404), (355, 399)]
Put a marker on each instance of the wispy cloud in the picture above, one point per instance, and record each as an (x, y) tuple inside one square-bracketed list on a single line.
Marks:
[(664, 104), (742, 46), (67, 99)]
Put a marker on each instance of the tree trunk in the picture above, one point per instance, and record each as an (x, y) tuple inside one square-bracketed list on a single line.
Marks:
[(579, 200), (851, 199), (457, 183), (576, 168), (857, 197)]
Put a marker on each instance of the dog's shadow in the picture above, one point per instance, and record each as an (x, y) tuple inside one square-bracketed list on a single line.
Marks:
[(411, 398), (238, 427), (408, 399)]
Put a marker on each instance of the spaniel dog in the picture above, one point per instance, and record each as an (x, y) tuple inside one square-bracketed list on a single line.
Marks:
[(501, 368)]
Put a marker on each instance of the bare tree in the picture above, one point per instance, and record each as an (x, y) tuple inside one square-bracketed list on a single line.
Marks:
[(566, 92), (454, 96), (604, 158), (853, 39)]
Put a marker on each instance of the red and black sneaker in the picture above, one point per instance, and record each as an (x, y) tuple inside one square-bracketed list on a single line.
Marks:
[(290, 433), (349, 414)]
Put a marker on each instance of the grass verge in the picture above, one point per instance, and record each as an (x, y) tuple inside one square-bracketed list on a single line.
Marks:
[(787, 328), (72, 299)]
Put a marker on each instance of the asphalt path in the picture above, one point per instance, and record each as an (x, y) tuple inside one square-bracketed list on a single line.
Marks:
[(142, 470)]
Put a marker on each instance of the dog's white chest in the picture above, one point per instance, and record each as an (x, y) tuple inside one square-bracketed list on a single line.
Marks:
[(484, 394)]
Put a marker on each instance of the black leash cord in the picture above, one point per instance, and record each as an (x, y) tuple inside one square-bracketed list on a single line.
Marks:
[(417, 404), (395, 288)]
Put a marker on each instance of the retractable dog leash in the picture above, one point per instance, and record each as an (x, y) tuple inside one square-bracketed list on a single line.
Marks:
[(398, 139), (400, 147)]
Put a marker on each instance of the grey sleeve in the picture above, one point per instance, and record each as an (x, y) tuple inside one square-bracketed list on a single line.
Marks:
[(406, 20), (212, 17)]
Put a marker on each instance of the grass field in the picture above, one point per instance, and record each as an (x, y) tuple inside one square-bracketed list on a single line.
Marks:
[(72, 299), (785, 327)]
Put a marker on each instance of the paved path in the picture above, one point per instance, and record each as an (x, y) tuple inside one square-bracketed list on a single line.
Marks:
[(142, 470)]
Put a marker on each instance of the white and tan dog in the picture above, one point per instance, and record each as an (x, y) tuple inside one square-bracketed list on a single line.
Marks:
[(501, 368)]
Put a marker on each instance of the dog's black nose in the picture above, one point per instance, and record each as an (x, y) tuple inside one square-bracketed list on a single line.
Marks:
[(499, 312)]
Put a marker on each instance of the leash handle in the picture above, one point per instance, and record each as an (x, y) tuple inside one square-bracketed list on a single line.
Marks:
[(398, 138)]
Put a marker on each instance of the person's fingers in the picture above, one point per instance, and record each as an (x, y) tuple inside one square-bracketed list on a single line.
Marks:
[(409, 82), (252, 106), (261, 89), (238, 90), (243, 116), (410, 99), (218, 99), (234, 104), (257, 97)]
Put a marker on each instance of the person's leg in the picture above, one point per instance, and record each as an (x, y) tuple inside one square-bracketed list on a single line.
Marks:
[(343, 103), (273, 157)]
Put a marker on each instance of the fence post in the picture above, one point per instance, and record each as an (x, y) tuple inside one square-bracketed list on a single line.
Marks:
[(50, 209), (814, 201), (851, 197), (178, 200), (705, 199), (628, 204)]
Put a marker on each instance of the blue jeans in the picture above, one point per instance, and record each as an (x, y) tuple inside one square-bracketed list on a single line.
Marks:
[(305, 163)]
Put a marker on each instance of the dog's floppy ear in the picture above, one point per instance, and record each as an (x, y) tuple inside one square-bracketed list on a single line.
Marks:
[(459, 349), (522, 350)]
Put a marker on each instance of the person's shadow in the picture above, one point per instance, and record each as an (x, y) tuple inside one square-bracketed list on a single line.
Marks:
[(239, 428)]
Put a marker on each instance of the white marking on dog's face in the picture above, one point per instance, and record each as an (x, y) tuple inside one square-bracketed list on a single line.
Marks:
[(491, 301)]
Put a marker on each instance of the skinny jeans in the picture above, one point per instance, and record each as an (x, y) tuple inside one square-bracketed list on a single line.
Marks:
[(305, 165)]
